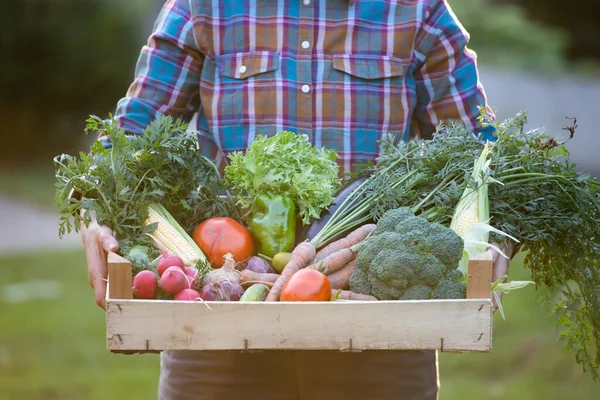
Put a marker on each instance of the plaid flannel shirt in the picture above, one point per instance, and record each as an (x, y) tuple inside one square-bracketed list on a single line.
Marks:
[(343, 72)]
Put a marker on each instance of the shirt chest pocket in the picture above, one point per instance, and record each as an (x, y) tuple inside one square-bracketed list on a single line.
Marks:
[(241, 66), (246, 92), (371, 68), (375, 89)]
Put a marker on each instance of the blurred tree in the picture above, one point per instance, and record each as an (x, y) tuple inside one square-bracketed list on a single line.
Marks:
[(578, 17), (61, 61), (503, 35)]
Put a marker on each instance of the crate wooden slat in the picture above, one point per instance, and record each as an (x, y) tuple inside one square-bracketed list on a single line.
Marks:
[(156, 325)]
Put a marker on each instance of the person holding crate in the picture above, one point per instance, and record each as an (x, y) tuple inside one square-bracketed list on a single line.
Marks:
[(343, 72)]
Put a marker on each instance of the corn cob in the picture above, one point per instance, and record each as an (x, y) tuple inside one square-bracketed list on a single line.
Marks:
[(473, 207), (171, 236), (472, 214)]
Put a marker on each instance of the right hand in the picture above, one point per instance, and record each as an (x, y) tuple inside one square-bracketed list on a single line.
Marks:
[(98, 240)]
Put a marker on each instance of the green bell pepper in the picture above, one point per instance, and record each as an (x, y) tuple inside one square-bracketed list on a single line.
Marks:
[(273, 224)]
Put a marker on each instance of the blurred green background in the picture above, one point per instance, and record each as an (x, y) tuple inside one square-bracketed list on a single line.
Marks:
[(63, 60)]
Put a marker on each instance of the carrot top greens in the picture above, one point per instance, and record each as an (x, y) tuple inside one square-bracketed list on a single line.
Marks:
[(536, 194), (162, 165)]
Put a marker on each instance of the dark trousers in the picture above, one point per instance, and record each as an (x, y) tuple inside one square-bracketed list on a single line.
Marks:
[(299, 375)]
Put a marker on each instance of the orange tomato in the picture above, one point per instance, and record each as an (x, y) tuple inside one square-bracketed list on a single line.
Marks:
[(306, 285), (221, 235)]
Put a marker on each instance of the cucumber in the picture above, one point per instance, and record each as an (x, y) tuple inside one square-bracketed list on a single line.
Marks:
[(257, 292)]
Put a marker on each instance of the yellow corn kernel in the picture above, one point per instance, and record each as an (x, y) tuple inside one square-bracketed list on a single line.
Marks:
[(172, 238), (467, 218)]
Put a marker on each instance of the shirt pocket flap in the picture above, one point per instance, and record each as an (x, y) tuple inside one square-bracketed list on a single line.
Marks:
[(247, 64), (369, 67)]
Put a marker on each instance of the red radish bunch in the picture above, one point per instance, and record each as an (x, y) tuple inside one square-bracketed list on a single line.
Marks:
[(174, 280), (168, 260), (193, 276), (188, 295), (145, 284)]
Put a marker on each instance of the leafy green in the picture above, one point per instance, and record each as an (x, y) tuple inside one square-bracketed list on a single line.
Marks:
[(285, 164), (164, 165)]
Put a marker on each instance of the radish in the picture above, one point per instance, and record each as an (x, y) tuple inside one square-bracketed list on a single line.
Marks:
[(188, 295), (174, 280), (167, 260), (145, 284), (193, 275)]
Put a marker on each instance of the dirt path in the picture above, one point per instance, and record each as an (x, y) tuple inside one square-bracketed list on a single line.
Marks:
[(26, 227)]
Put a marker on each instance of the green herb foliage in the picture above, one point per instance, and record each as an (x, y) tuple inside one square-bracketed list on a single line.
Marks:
[(285, 164), (539, 198), (163, 165)]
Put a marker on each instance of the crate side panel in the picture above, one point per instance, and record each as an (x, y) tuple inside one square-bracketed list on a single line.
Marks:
[(454, 325)]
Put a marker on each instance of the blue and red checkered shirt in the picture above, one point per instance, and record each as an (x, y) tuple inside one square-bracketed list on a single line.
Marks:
[(343, 72)]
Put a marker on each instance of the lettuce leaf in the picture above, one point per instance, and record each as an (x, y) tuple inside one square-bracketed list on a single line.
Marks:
[(285, 164)]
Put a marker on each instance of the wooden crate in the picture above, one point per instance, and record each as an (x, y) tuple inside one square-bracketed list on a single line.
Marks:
[(140, 326)]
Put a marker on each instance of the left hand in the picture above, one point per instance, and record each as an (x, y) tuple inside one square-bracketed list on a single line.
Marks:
[(501, 265)]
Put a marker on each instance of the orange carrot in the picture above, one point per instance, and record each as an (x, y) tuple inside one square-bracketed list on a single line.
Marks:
[(348, 295), (354, 237), (340, 279), (334, 262), (247, 275), (301, 256)]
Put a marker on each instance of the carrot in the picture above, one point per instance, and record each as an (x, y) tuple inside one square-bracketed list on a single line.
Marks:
[(250, 283), (247, 275), (354, 237), (340, 279), (348, 295), (301, 256), (335, 261)]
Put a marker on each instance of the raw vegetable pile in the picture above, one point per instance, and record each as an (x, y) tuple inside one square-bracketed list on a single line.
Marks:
[(281, 226)]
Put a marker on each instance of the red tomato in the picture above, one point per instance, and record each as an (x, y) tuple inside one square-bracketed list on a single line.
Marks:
[(306, 285), (221, 235)]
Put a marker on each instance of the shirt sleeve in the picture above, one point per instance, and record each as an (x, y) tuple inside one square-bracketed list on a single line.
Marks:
[(447, 79), (167, 72)]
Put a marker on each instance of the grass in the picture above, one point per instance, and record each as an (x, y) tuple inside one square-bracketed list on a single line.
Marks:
[(55, 348), (526, 361)]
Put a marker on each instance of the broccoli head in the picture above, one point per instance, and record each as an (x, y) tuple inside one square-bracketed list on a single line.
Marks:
[(419, 292), (431, 238), (454, 275), (428, 270), (390, 220), (448, 245), (450, 290), (405, 252)]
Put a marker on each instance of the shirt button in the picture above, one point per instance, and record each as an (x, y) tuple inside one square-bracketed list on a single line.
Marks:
[(305, 88), (305, 44), (242, 69), (306, 2)]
